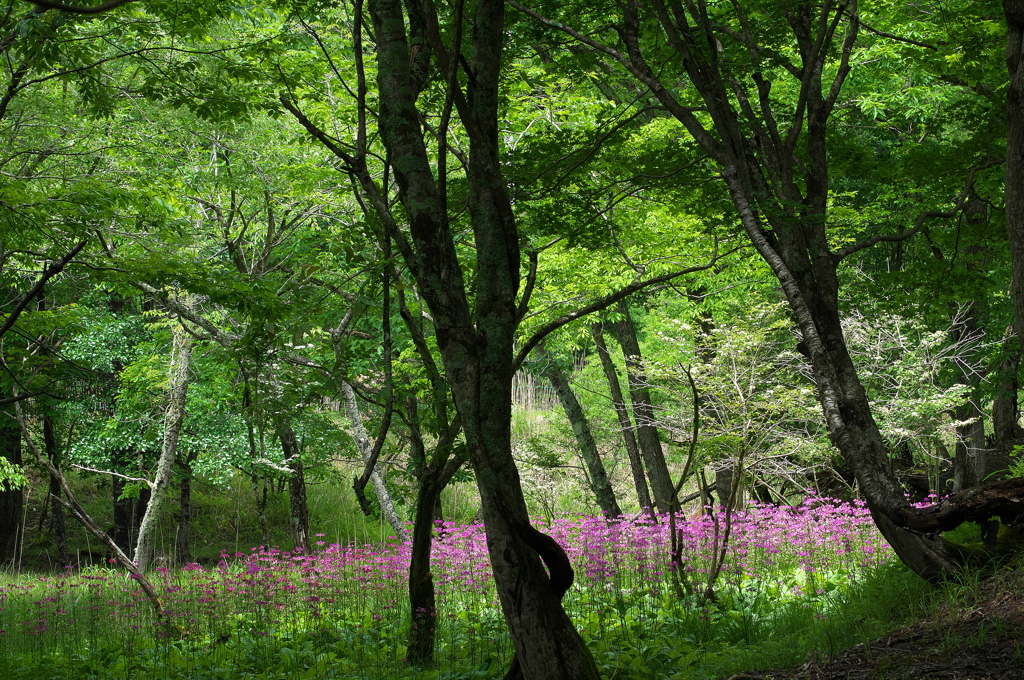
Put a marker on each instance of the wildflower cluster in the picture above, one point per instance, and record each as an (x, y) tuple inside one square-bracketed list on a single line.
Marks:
[(355, 594)]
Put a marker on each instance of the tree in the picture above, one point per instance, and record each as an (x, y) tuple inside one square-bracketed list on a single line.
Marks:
[(771, 155), (475, 335), (643, 411), (177, 390)]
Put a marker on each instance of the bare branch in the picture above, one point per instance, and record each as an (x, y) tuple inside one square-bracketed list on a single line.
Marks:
[(114, 474)]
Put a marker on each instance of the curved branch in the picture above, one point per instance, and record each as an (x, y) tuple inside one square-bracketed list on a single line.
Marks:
[(50, 272), (608, 301), (919, 224)]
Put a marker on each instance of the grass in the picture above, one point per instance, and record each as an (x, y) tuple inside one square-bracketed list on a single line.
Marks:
[(801, 582)]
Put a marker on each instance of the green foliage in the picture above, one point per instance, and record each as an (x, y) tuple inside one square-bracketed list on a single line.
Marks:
[(12, 475)]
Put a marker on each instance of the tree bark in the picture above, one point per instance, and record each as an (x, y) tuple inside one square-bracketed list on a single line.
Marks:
[(60, 535), (174, 416), (643, 411), (598, 477), (1005, 412), (60, 532), (182, 547), (1014, 188), (636, 465), (970, 445), (422, 601), (297, 503), (432, 473), (260, 496), (362, 441)]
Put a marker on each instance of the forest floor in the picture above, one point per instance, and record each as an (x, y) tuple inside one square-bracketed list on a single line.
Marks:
[(978, 637)]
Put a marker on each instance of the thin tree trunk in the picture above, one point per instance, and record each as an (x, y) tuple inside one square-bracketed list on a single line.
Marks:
[(260, 496), (182, 549), (362, 441), (10, 499), (90, 524), (599, 483), (643, 411), (636, 465), (60, 533), (298, 506), (174, 416), (121, 534)]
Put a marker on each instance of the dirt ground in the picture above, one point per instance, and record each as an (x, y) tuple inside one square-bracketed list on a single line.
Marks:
[(981, 638)]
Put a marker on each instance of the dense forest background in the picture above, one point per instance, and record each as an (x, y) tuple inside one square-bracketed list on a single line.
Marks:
[(286, 272)]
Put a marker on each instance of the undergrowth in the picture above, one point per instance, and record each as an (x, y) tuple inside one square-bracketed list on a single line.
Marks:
[(798, 584)]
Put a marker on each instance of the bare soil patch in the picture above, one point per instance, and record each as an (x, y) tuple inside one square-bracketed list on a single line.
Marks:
[(980, 637)]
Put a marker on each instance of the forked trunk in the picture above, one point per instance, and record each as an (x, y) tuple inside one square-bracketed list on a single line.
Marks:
[(547, 644)]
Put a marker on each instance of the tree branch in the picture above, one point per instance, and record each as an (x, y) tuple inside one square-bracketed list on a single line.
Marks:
[(50, 272), (927, 214), (79, 9), (608, 301)]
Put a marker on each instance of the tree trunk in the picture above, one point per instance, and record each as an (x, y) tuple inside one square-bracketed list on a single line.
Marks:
[(1005, 412), (636, 465), (121, 533), (260, 495), (970, 445), (599, 483), (725, 472), (1014, 188), (11, 500), (643, 411), (1006, 430), (182, 549), (362, 441), (298, 506), (421, 582), (174, 416), (60, 532)]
